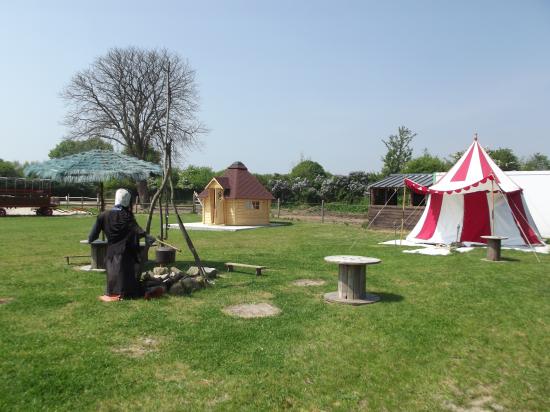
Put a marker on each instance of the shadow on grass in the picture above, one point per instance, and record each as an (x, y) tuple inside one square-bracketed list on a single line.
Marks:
[(509, 259), (387, 297), (502, 259), (280, 223)]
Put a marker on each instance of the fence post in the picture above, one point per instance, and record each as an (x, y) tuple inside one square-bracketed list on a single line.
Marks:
[(323, 211), (67, 200), (82, 202), (278, 207)]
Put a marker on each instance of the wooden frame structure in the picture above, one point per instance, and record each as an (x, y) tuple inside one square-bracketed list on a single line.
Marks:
[(391, 206)]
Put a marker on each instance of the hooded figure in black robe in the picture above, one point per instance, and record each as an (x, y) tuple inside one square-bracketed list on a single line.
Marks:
[(123, 234)]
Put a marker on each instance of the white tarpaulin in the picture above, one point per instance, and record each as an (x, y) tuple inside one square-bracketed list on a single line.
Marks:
[(536, 192)]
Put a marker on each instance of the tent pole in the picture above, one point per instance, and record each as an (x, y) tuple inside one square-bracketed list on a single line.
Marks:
[(493, 208), (403, 214)]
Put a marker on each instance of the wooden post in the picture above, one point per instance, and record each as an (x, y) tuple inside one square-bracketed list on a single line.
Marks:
[(101, 196), (278, 208), (161, 216), (82, 202), (322, 211), (166, 214)]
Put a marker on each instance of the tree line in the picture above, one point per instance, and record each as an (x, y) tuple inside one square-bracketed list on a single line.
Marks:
[(307, 182)]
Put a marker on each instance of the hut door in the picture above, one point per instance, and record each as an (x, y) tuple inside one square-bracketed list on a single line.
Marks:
[(219, 212)]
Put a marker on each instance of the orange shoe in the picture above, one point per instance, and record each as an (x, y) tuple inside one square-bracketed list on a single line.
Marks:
[(109, 298)]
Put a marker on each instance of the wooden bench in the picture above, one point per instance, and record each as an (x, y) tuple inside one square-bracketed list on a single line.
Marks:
[(68, 258), (231, 265)]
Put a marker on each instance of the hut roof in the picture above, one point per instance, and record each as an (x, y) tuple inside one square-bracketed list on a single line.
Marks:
[(241, 184), (397, 180), (94, 166)]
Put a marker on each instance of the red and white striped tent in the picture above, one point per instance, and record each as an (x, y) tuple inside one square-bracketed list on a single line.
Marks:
[(473, 199)]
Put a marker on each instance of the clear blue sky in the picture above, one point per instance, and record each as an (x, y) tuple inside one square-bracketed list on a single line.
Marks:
[(282, 79)]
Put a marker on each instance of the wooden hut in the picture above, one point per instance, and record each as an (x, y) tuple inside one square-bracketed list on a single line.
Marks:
[(235, 199), (386, 196)]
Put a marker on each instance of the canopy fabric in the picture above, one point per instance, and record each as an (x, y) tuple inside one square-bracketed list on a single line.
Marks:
[(472, 168), (474, 199), (94, 166), (484, 185)]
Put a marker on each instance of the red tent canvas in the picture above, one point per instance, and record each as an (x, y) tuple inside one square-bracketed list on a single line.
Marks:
[(473, 199)]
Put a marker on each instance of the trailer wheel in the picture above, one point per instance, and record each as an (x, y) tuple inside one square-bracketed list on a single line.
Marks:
[(44, 211), (2, 212)]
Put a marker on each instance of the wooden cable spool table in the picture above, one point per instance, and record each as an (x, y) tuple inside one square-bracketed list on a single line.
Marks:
[(493, 247), (352, 274)]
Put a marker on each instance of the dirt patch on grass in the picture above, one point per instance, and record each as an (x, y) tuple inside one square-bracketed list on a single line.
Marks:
[(252, 310), (479, 399), (140, 348), (3, 301), (309, 282), (332, 217), (220, 399), (481, 404)]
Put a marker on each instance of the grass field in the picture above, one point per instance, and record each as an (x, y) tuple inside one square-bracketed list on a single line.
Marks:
[(451, 333)]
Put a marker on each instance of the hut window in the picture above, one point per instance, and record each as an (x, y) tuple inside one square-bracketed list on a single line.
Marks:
[(253, 204)]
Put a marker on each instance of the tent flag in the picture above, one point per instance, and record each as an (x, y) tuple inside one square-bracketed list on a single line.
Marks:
[(476, 198)]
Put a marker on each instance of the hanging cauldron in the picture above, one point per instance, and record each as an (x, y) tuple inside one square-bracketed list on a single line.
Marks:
[(165, 255)]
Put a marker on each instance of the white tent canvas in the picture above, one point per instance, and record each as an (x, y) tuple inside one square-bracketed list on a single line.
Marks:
[(533, 185), (474, 199)]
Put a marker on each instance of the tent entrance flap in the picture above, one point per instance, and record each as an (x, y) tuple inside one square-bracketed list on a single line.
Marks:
[(477, 220), (430, 223)]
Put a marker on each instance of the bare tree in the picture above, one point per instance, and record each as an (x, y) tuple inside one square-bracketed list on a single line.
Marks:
[(121, 98)]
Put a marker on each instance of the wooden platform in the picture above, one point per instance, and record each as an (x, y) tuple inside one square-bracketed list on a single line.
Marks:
[(390, 216)]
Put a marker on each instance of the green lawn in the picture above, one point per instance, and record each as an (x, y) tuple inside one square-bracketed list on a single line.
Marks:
[(450, 332)]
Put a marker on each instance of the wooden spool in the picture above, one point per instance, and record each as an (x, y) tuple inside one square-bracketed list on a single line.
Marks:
[(494, 246), (352, 277)]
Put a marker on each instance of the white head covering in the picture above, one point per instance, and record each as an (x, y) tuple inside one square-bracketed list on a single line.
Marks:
[(123, 197)]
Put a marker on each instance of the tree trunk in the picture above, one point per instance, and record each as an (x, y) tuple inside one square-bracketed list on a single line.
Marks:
[(143, 192)]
